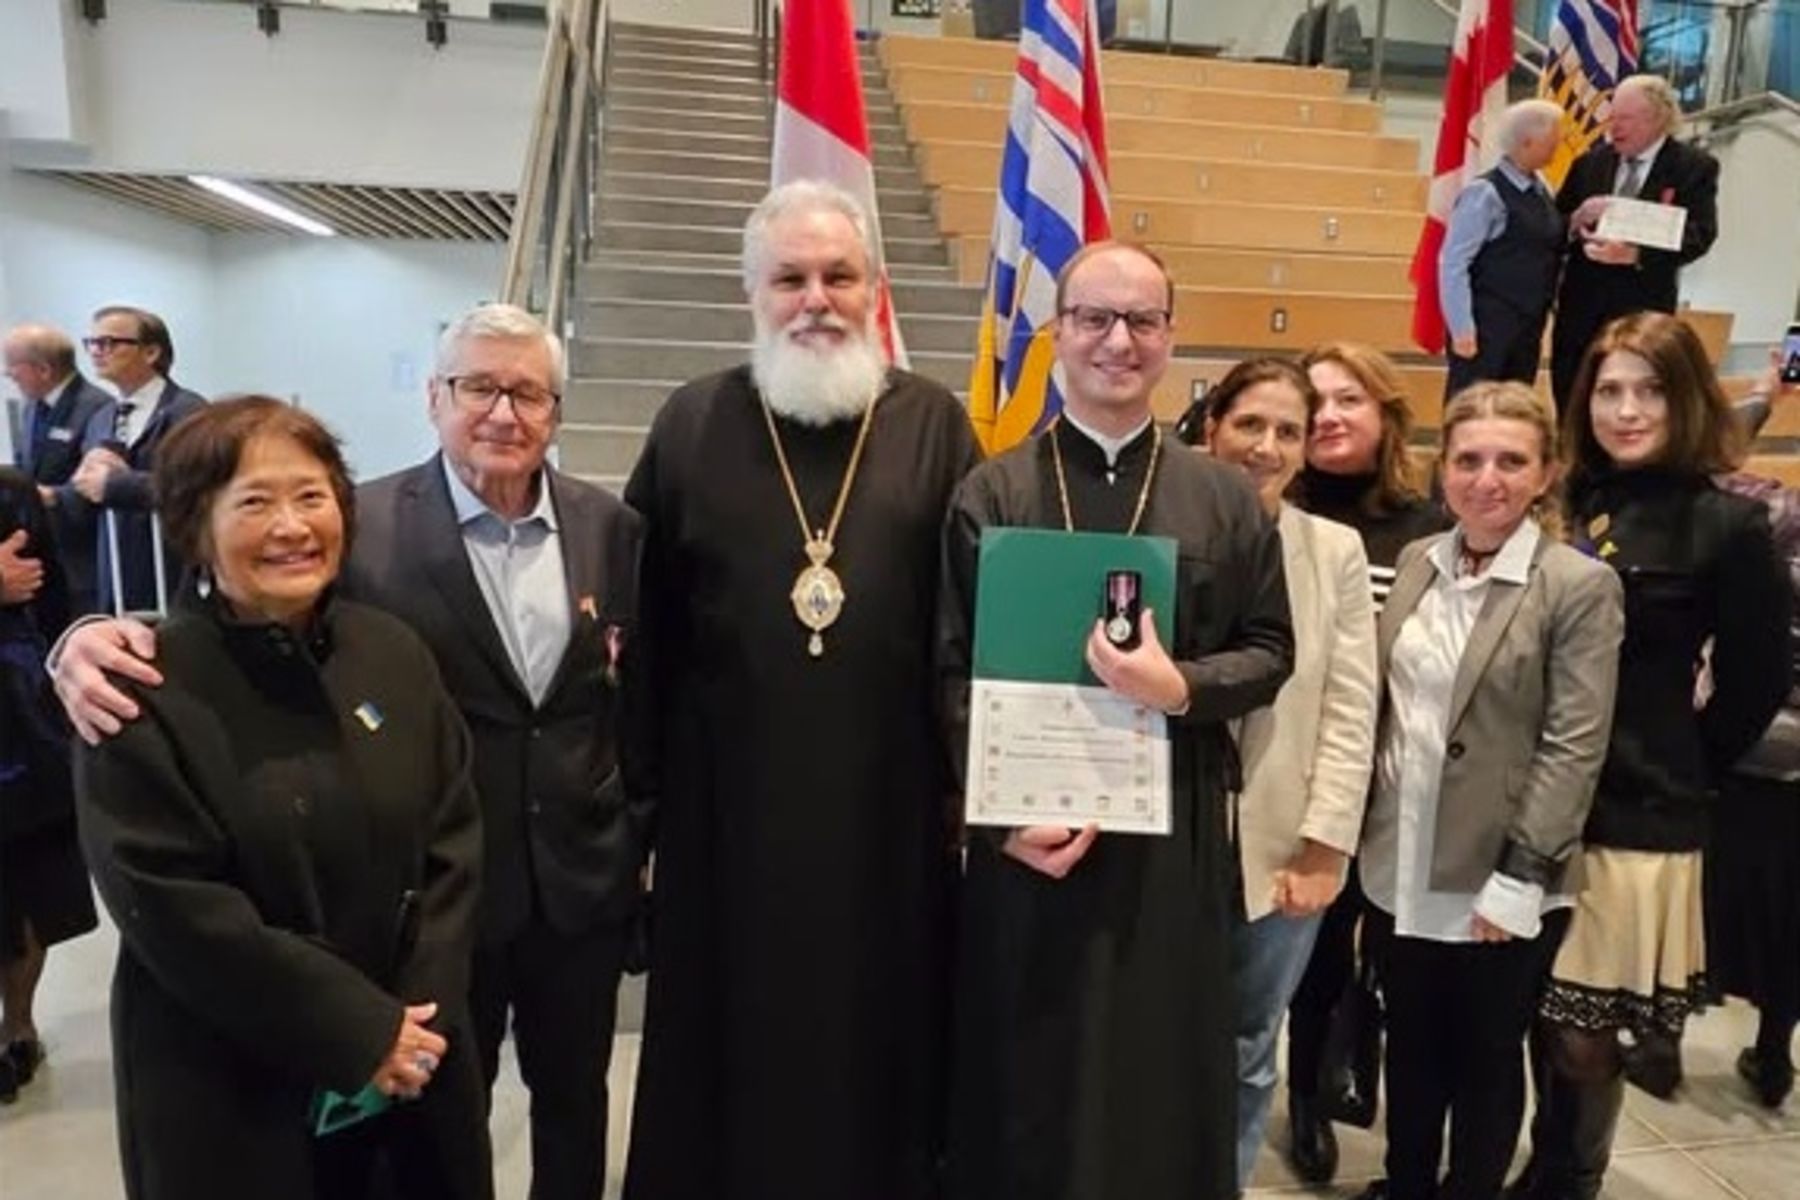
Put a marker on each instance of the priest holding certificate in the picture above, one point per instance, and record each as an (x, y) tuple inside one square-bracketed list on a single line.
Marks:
[(1094, 1054)]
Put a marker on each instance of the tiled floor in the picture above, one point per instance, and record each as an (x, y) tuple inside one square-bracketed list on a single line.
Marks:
[(56, 1143)]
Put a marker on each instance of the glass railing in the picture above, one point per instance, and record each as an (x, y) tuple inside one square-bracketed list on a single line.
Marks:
[(1714, 51)]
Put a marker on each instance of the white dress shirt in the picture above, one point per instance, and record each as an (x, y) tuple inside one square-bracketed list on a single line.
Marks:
[(139, 407), (1398, 841), (519, 567)]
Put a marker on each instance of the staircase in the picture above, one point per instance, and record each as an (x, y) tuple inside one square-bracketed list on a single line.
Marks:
[(660, 298)]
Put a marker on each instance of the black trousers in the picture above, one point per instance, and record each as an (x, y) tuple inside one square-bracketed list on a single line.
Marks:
[(561, 991), (1509, 346), (1457, 1014), (1328, 973)]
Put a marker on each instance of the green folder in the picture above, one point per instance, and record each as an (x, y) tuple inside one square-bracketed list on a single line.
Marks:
[(1038, 593)]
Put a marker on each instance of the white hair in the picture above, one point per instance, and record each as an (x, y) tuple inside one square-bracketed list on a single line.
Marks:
[(1658, 92), (498, 321), (1526, 118), (799, 198)]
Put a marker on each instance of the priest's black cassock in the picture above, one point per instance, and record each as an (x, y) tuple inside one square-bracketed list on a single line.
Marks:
[(1094, 1051), (795, 1033)]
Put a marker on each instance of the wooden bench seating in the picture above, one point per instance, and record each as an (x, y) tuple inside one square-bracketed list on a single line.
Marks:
[(1191, 177), (928, 121), (1119, 66), (947, 85)]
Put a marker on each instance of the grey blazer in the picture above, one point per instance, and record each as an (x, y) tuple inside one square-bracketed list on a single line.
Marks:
[(1529, 720)]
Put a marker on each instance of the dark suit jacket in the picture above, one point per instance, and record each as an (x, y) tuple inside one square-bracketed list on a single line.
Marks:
[(558, 837), (80, 419), (1593, 294), (131, 497)]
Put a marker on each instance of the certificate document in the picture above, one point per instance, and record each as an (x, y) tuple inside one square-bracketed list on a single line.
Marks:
[(1066, 754), (1642, 223)]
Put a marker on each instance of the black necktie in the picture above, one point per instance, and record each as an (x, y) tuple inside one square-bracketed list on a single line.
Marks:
[(122, 424)]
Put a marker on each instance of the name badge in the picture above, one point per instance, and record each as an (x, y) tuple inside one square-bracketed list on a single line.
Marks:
[(61, 433)]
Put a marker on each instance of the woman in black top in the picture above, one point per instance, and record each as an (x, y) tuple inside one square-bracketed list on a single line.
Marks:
[(44, 893), (288, 841), (1647, 427), (1357, 474)]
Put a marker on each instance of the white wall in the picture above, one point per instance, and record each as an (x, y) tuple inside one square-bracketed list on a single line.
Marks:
[(1753, 269), (348, 327), (167, 86), (35, 44)]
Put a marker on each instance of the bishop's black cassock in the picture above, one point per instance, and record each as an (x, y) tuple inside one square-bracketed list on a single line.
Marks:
[(794, 1039)]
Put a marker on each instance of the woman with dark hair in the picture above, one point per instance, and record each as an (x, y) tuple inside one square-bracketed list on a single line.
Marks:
[(44, 893), (1356, 474), (1646, 430), (1499, 648), (1306, 757), (288, 842)]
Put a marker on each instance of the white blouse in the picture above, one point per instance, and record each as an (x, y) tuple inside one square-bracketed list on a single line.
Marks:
[(1398, 841)]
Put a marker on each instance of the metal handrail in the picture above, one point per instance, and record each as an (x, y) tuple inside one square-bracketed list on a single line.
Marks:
[(1519, 35), (1735, 114), (563, 155)]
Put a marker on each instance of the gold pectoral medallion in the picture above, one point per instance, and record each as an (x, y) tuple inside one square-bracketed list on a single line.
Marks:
[(818, 595)]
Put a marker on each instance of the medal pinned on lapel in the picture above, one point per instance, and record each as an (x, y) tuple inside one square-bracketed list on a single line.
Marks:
[(588, 608), (369, 715), (1596, 528)]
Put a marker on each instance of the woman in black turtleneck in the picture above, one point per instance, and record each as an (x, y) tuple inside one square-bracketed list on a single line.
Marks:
[(1646, 428), (1356, 474)]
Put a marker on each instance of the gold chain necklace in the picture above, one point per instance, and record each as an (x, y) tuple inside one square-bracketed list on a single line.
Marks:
[(1062, 484), (818, 595)]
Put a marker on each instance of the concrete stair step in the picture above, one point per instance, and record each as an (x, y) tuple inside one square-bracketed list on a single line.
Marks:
[(723, 260), (888, 180), (687, 77), (676, 99), (726, 145), (684, 37), (660, 210), (599, 358), (600, 449), (655, 56), (615, 401), (690, 320), (699, 239), (650, 185), (691, 284), (745, 124)]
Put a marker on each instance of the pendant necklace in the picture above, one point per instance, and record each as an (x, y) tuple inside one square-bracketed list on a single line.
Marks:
[(1062, 484), (818, 595)]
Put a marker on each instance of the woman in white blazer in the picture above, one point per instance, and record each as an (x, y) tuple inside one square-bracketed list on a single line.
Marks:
[(1307, 757)]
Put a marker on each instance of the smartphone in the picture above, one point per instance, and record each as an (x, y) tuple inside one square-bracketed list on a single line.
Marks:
[(1790, 354), (1121, 604)]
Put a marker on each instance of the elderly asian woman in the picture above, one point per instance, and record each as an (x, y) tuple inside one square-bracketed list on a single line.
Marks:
[(288, 843), (1499, 649)]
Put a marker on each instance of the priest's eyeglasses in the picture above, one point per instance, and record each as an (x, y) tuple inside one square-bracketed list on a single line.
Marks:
[(480, 395), (1095, 321)]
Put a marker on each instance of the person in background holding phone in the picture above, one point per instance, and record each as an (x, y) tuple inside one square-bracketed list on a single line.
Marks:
[(1753, 862), (1307, 758), (289, 842)]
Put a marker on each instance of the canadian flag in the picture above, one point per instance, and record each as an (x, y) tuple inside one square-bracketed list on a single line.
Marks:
[(821, 129), (1474, 97)]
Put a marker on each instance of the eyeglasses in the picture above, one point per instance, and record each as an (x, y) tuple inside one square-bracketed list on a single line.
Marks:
[(1092, 320), (106, 343), (479, 394)]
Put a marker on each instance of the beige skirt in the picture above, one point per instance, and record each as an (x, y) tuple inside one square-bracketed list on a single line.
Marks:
[(1635, 954)]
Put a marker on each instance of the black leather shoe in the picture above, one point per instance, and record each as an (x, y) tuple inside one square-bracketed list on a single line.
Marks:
[(1769, 1079), (1313, 1147)]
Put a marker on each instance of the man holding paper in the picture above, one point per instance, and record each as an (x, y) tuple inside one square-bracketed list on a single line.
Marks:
[(1094, 1053), (1607, 276)]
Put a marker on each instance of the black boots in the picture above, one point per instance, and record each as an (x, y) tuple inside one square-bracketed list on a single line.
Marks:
[(1313, 1148), (1571, 1140), (1654, 1065), (1770, 1078)]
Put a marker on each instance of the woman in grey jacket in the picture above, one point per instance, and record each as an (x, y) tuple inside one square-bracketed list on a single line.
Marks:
[(1499, 648)]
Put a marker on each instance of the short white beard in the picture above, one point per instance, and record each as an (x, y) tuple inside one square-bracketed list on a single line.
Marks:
[(814, 386)]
